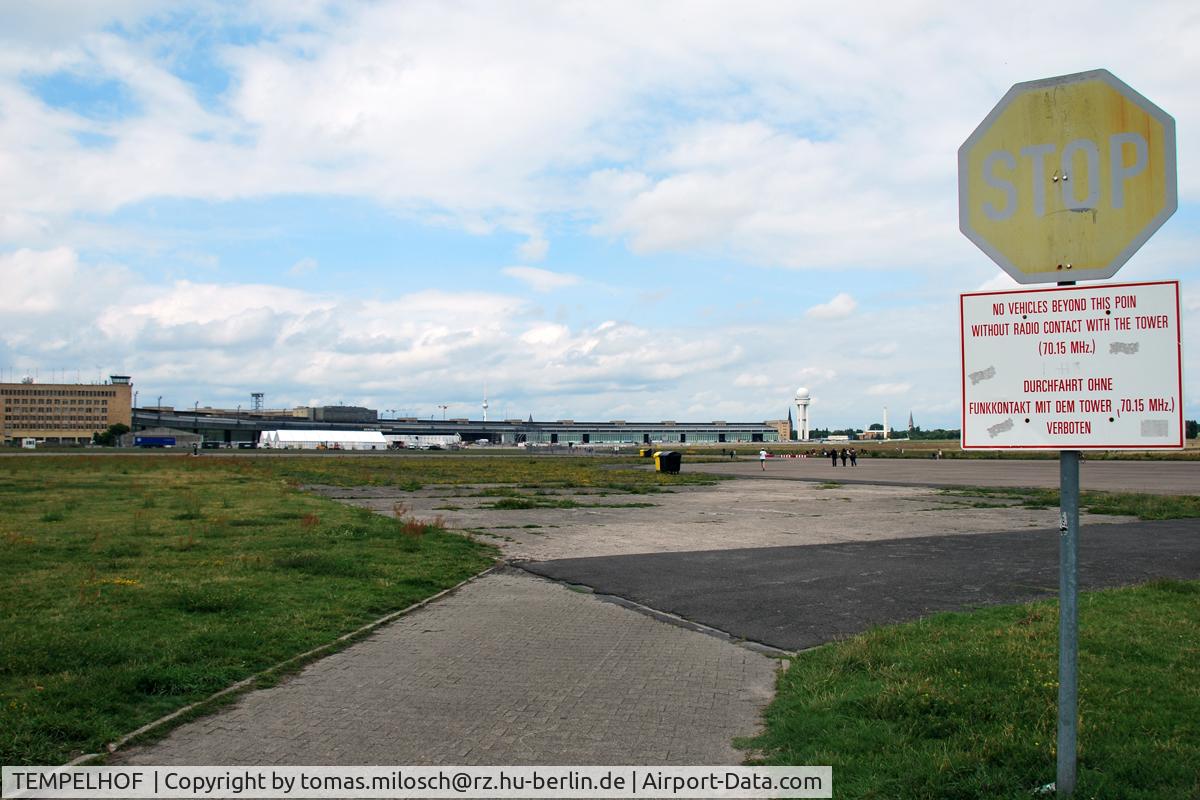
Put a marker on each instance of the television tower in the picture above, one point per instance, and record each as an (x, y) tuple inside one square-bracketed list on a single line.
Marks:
[(485, 402)]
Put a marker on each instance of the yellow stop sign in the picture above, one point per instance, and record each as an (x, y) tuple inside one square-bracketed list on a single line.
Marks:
[(1067, 177)]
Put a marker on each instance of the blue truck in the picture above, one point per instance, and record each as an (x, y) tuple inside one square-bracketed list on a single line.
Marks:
[(153, 441)]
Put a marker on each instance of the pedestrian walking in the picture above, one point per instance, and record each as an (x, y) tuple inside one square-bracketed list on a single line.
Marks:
[(845, 455), (833, 455), (853, 457), (762, 459)]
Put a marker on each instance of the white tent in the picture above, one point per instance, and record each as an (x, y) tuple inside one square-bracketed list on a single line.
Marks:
[(323, 440)]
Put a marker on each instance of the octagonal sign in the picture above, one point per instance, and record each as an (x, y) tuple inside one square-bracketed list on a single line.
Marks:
[(1067, 177)]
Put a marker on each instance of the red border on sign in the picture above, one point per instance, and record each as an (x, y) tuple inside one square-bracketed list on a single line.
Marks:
[(962, 350)]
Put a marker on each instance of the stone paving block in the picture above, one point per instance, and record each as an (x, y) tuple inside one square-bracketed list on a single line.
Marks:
[(511, 669)]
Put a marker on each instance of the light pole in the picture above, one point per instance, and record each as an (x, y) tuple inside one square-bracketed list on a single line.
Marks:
[(443, 408)]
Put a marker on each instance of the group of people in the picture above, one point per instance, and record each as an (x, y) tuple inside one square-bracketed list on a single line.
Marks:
[(850, 454)]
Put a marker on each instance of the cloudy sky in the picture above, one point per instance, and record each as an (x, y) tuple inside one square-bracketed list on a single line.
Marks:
[(598, 210)]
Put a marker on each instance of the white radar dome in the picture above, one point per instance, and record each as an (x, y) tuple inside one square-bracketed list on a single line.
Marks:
[(802, 394)]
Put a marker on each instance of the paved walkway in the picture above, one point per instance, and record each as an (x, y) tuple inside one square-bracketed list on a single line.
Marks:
[(511, 669)]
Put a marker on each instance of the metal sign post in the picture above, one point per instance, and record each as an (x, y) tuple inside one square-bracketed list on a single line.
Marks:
[(1068, 620)]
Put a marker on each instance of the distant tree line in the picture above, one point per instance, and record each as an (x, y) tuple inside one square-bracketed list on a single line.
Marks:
[(935, 433), (823, 433), (915, 433), (112, 436)]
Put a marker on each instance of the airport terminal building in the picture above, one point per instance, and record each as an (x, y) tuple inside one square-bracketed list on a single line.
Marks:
[(69, 414), (237, 427)]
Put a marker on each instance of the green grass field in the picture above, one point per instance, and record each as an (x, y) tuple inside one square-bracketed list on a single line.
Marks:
[(1142, 506), (965, 705), (132, 587)]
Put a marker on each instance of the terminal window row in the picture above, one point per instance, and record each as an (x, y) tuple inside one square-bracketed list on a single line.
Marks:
[(55, 425), (10, 402), (36, 417), (57, 393), (25, 413), (58, 401)]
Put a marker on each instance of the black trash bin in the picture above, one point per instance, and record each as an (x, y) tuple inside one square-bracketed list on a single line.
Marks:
[(668, 461)]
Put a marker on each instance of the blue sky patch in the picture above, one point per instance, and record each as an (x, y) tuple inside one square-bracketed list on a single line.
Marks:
[(100, 99)]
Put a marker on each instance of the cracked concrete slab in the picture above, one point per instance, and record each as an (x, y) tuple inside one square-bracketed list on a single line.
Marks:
[(729, 515)]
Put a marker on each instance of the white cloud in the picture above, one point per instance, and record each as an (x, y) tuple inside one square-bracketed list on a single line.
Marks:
[(214, 342), (303, 266), (883, 389), (55, 22), (882, 349), (751, 379), (791, 139), (16, 226), (192, 340), (842, 305), (1001, 282), (534, 248), (37, 281), (817, 374), (749, 188), (48, 282), (541, 280), (545, 334)]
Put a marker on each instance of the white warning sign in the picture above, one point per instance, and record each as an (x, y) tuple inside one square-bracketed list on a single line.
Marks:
[(1073, 368)]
